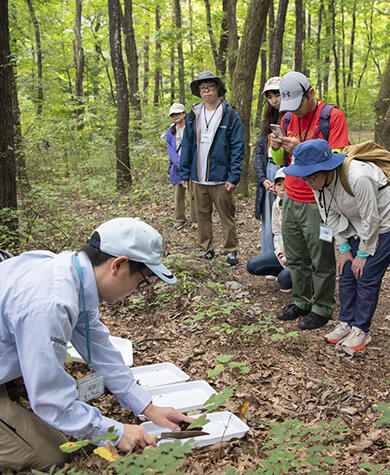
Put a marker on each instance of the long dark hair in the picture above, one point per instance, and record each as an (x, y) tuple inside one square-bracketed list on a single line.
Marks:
[(271, 116), (173, 128)]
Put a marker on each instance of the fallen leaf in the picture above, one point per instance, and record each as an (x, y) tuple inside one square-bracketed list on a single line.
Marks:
[(108, 452)]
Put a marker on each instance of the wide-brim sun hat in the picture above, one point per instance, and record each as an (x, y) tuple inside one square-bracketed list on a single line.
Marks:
[(292, 87), (133, 238), (272, 84), (176, 108), (313, 156), (207, 76)]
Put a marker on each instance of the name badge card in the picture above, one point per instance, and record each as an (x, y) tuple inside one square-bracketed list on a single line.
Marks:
[(205, 137), (326, 233), (90, 387)]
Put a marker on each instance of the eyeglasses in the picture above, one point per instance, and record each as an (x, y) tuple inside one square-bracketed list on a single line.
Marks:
[(210, 87), (144, 282)]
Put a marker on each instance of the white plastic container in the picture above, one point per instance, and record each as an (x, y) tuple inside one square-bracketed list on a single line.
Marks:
[(223, 426), (121, 344), (159, 374)]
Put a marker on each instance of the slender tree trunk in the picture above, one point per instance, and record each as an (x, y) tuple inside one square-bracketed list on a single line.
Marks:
[(123, 172), (78, 60), (219, 59), (271, 32), (146, 66), (306, 68), (191, 17), (343, 61), (180, 55), (263, 78), (157, 70), (39, 56), (99, 51), (223, 39), (245, 72), (328, 42), (318, 52), (382, 109), (277, 41), (7, 156), (172, 74), (132, 67), (351, 47), (335, 55), (299, 36), (231, 18)]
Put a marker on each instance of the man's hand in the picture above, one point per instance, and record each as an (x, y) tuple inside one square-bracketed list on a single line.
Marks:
[(276, 142), (288, 143), (357, 266), (166, 416), (229, 186), (342, 259), (282, 258), (269, 186), (135, 436), (184, 183)]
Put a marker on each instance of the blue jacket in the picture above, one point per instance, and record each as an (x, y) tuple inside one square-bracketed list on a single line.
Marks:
[(220, 166), (261, 173), (174, 157)]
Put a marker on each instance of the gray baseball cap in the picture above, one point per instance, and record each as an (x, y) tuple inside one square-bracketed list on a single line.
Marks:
[(293, 86), (135, 239), (207, 76)]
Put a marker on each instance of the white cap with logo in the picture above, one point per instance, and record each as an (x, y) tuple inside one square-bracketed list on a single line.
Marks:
[(293, 86), (135, 239)]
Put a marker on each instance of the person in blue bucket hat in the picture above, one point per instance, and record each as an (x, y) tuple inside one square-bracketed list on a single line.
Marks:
[(360, 227)]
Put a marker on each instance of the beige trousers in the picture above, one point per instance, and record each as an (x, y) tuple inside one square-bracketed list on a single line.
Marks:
[(205, 197), (180, 202), (26, 441)]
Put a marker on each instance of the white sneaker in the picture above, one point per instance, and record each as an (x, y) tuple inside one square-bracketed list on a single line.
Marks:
[(270, 277), (285, 291), (357, 339), (338, 333)]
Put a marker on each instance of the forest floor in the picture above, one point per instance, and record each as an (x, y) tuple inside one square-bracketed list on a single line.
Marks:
[(216, 310)]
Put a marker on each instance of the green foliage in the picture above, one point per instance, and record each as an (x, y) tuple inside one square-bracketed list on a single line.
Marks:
[(215, 400), (70, 447), (225, 363), (385, 410), (9, 237), (374, 469), (200, 421)]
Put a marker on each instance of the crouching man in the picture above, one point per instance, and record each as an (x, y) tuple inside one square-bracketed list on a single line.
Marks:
[(48, 300)]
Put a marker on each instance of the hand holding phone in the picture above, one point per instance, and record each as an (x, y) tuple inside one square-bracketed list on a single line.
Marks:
[(277, 130)]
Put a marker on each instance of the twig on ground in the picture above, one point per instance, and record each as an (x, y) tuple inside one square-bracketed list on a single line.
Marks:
[(192, 355)]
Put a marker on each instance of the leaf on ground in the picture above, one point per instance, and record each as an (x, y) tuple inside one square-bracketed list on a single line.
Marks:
[(108, 452)]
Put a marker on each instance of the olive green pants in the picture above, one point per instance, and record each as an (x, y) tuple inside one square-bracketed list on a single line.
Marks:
[(205, 197), (180, 203), (311, 261), (26, 441)]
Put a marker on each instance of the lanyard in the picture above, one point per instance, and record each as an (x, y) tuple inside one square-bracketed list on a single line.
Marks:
[(211, 118), (84, 312), (322, 194), (308, 127)]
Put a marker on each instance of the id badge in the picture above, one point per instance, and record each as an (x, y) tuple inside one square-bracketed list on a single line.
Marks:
[(326, 233), (90, 387), (205, 137)]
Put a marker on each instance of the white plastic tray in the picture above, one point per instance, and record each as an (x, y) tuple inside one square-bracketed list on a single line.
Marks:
[(223, 426), (159, 374), (121, 344), (183, 397)]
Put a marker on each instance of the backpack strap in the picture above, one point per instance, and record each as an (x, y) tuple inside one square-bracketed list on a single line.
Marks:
[(286, 121), (324, 126), (343, 172)]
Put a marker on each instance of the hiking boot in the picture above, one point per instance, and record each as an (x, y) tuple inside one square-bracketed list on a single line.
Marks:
[(231, 259), (357, 339), (179, 224), (291, 312), (311, 321), (194, 225), (206, 255), (270, 277), (338, 333)]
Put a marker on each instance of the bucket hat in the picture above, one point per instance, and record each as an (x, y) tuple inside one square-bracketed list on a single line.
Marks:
[(280, 174), (272, 84), (293, 86), (313, 156), (135, 239), (207, 76), (176, 108)]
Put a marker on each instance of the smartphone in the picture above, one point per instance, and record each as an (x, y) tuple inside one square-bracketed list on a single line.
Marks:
[(277, 130)]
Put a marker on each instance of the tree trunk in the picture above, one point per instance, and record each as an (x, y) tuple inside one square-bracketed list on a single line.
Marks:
[(306, 68), (328, 31), (263, 79), (123, 172), (223, 39), (180, 56), (382, 109), (271, 31), (7, 156), (299, 36), (318, 52), (344, 76), (157, 70), (132, 67), (146, 67), (219, 60), (172, 74), (352, 45), (245, 72), (277, 39), (78, 59), (231, 19), (39, 56), (191, 39), (335, 55)]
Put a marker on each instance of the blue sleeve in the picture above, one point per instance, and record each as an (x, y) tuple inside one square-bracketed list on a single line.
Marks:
[(186, 150), (261, 158), (171, 148), (236, 141)]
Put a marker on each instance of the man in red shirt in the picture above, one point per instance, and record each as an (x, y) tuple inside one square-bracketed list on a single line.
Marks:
[(309, 255)]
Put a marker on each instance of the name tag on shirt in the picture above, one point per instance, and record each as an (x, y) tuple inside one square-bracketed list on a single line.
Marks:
[(90, 387), (205, 137), (326, 233)]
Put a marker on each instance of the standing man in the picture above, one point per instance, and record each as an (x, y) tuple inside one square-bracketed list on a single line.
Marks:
[(48, 300), (212, 152), (310, 256)]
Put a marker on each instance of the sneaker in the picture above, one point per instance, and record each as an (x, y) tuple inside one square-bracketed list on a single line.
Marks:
[(194, 225), (206, 255), (270, 277), (285, 291), (357, 339), (338, 333), (231, 259), (311, 321), (179, 224), (291, 312)]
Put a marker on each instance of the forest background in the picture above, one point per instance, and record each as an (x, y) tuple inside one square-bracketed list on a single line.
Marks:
[(86, 87)]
